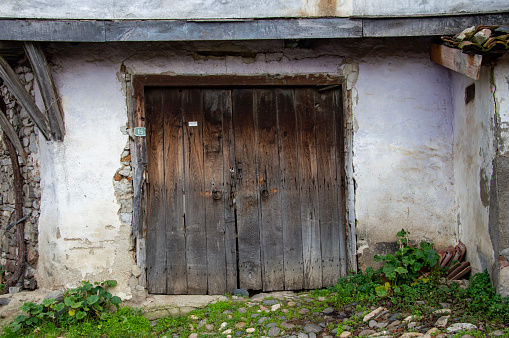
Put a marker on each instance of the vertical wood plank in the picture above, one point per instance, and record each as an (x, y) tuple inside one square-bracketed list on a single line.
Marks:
[(289, 190), (249, 256), (340, 180), (156, 237), (215, 196), (304, 102), (327, 186), (196, 234), (230, 187), (268, 187), (136, 108), (174, 182)]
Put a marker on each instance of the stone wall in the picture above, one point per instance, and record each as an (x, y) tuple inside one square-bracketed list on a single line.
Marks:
[(31, 188)]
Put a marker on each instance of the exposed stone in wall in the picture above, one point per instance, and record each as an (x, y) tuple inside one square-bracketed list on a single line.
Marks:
[(31, 190), (122, 181)]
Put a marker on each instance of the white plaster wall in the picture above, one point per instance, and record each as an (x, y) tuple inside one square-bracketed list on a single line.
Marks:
[(80, 234), (212, 9), (403, 154), (473, 168), (403, 139)]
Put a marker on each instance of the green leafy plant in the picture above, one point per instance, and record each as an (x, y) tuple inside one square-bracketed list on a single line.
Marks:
[(88, 301), (484, 299), (404, 266)]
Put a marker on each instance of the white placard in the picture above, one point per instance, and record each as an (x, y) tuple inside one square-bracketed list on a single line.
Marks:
[(193, 124)]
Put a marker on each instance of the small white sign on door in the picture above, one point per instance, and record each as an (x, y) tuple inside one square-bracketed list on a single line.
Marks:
[(193, 123)]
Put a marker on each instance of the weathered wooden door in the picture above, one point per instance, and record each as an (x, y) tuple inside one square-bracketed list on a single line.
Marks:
[(245, 189)]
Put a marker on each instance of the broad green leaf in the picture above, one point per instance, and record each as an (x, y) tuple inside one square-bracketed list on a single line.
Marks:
[(68, 301), (76, 305), (72, 312), (92, 299), (48, 302), (111, 283), (81, 315), (116, 300), (401, 270), (401, 233), (381, 291), (59, 307), (20, 318)]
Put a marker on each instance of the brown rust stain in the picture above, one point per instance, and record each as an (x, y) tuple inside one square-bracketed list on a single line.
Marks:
[(260, 181), (126, 158), (117, 177), (206, 193), (273, 190), (327, 7)]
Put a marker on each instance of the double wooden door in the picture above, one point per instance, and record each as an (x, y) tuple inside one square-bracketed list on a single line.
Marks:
[(245, 189)]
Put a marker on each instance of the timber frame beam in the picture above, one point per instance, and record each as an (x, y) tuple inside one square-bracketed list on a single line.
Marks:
[(60, 30), (24, 98), (47, 88)]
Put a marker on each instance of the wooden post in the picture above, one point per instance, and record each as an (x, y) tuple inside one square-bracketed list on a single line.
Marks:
[(11, 134), (47, 88), (23, 97), (455, 59)]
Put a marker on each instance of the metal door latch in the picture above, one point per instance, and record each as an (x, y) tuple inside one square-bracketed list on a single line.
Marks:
[(239, 169)]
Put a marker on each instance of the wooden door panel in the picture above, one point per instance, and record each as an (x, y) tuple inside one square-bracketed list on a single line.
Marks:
[(268, 189), (215, 103), (340, 180), (230, 233), (311, 251), (247, 196), (196, 234), (278, 152), (289, 189), (327, 174), (156, 223), (176, 264)]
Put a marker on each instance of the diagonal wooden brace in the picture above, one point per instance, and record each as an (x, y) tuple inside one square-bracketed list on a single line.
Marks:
[(11, 134), (47, 88), (23, 97)]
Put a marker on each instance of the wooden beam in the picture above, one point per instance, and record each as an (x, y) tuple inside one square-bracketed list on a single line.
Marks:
[(429, 26), (248, 29), (455, 59), (23, 97), (52, 30), (47, 88), (235, 80), (12, 135), (182, 30)]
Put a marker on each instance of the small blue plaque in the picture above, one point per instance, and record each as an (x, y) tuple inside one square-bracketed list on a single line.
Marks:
[(140, 131)]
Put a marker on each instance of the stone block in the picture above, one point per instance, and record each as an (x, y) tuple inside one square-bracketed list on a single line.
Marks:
[(126, 217), (30, 284), (32, 256), (136, 270), (14, 289), (503, 282)]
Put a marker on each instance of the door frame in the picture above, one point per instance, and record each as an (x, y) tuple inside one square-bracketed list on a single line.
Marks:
[(135, 97)]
